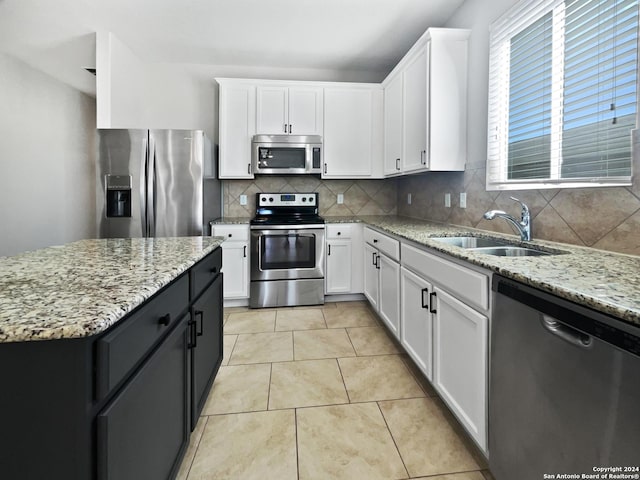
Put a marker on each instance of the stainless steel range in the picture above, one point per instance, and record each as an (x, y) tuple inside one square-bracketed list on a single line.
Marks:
[(287, 251)]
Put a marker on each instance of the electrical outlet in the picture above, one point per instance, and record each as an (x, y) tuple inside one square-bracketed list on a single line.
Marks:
[(447, 200), (243, 199), (463, 200), (340, 199), (408, 199)]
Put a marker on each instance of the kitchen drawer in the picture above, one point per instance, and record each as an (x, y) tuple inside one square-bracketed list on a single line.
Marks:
[(119, 351), (338, 232), (231, 232), (465, 283), (386, 245), (203, 272)]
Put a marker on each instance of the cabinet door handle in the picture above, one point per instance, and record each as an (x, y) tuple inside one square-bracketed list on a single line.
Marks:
[(285, 128), (193, 341), (249, 169), (199, 313), (325, 168), (165, 320), (289, 128), (432, 302), (213, 271), (397, 164), (373, 262), (329, 249), (378, 262), (244, 251), (424, 305)]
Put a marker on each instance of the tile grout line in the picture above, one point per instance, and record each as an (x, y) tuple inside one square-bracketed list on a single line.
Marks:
[(393, 438), (195, 451), (232, 347), (295, 425), (351, 341), (269, 389), (343, 382)]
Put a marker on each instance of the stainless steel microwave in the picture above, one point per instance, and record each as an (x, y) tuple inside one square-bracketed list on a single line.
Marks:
[(286, 154)]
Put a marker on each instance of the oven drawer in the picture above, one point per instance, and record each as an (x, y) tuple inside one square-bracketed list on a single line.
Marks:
[(234, 233), (338, 232), (387, 245)]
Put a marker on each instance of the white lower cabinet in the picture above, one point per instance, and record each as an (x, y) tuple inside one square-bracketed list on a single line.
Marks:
[(343, 268), (235, 260), (445, 330), (460, 362), (389, 294), (382, 277), (417, 325), (371, 275)]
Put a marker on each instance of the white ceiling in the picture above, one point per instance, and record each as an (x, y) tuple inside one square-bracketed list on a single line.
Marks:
[(58, 36)]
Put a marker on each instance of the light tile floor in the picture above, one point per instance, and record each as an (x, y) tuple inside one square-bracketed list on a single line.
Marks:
[(323, 393)]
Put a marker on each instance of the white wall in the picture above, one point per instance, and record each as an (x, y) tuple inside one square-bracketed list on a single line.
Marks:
[(47, 157), (133, 93), (477, 15)]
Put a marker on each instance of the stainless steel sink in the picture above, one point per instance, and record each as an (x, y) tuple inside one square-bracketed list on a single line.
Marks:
[(494, 246), (511, 251), (470, 242)]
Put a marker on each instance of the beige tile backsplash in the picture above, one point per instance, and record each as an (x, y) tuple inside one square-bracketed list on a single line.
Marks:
[(604, 218), (361, 197)]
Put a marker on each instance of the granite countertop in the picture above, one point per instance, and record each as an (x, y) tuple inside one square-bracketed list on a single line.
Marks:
[(82, 288), (605, 281)]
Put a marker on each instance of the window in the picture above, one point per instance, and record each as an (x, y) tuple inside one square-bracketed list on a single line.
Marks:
[(562, 94)]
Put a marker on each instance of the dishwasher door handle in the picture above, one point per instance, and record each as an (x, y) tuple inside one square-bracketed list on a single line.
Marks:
[(565, 332)]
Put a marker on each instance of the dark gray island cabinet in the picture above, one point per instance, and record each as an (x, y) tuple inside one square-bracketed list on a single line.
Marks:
[(120, 404)]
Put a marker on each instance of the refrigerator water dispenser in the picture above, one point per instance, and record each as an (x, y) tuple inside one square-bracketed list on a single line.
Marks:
[(118, 195)]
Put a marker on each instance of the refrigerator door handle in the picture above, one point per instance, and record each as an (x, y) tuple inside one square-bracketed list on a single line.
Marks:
[(143, 190), (151, 191)]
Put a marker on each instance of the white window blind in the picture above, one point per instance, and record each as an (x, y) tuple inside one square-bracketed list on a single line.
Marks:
[(562, 94)]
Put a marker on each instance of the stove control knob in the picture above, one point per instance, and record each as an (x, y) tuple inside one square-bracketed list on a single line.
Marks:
[(264, 199), (311, 199), (271, 199), (304, 199)]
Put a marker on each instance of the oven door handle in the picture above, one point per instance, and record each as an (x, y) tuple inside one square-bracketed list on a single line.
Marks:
[(268, 228)]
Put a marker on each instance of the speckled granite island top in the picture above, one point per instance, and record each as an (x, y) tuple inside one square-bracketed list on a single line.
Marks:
[(82, 288), (605, 281)]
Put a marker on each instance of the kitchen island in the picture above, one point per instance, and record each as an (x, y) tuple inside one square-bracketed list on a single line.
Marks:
[(107, 351)]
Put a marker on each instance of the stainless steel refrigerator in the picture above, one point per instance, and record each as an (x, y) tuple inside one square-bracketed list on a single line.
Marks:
[(155, 183)]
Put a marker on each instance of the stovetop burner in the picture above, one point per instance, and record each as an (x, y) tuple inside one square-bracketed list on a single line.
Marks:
[(287, 209)]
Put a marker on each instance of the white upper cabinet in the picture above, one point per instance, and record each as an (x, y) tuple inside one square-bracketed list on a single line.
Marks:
[(393, 126), (237, 124), (352, 132), (426, 105), (289, 110), (414, 155)]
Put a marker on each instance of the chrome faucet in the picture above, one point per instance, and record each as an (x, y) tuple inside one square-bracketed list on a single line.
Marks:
[(523, 226)]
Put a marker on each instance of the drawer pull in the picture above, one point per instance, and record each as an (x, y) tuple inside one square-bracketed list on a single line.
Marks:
[(424, 304), (214, 270), (230, 235), (165, 320), (339, 233), (193, 342), (432, 302), (199, 313), (375, 240)]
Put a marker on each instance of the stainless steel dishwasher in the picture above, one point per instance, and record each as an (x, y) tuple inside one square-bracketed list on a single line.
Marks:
[(564, 388)]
